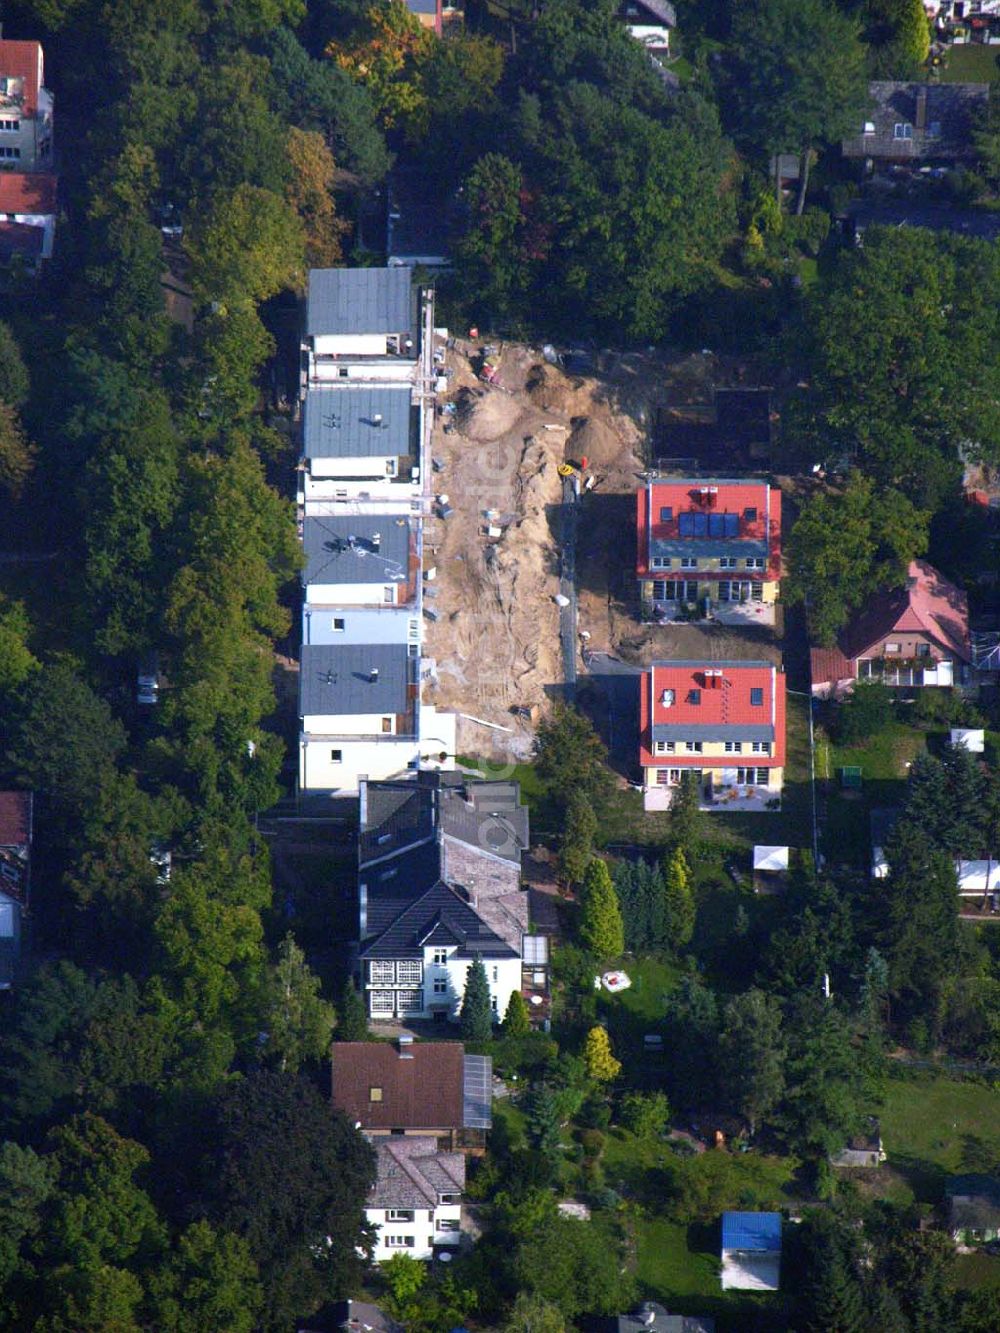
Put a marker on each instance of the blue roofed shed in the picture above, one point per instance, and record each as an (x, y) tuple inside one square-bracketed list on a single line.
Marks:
[(751, 1251)]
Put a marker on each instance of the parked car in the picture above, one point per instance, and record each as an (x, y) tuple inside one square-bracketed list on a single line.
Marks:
[(148, 681)]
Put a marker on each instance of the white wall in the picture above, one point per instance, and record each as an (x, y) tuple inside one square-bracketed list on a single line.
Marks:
[(350, 344), (503, 974), (376, 758), (360, 625), (425, 1230), (327, 497), (371, 466), (356, 594)]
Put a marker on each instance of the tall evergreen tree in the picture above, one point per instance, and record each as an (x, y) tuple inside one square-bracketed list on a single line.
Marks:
[(692, 1025), (577, 842), (600, 927), (832, 1295), (752, 1055), (516, 1021), (352, 1022), (476, 1020), (678, 899), (684, 818)]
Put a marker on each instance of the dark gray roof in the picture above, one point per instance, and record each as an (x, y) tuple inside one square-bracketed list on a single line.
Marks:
[(974, 1202), (338, 679), (423, 216), (884, 819), (411, 1173), (358, 423), (977, 222), (709, 548), (422, 6), (657, 11), (441, 917), (687, 731), (360, 300), (942, 131), (663, 1322), (488, 816), (362, 548), (398, 815)]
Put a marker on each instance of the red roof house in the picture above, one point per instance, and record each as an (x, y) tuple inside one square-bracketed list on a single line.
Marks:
[(22, 73), (723, 526), (914, 635), (724, 720), (28, 192)]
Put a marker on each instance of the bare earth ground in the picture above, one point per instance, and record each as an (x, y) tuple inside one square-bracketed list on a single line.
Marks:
[(495, 641)]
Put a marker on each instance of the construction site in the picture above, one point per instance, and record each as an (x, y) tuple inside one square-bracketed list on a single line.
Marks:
[(529, 557)]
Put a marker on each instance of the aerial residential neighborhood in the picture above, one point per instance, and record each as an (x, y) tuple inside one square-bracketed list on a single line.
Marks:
[(500, 666)]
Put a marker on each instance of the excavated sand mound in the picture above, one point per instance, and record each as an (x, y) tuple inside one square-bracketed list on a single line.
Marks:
[(595, 440), (552, 391), (489, 417)]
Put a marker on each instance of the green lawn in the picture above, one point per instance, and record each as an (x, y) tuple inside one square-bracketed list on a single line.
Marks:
[(971, 64), (883, 762), (934, 1126), (977, 1270)]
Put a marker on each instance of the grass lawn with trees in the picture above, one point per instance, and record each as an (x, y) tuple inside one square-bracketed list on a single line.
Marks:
[(972, 63), (934, 1125)]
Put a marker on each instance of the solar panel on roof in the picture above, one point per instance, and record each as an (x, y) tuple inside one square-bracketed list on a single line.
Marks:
[(477, 1092)]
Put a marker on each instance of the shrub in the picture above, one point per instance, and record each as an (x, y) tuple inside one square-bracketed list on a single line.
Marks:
[(866, 711), (645, 1113), (592, 1141)]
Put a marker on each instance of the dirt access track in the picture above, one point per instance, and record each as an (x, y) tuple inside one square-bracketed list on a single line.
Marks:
[(492, 564)]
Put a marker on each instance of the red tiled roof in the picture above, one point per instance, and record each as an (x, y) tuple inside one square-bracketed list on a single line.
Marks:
[(15, 818), (928, 605), (27, 192), (724, 707), (827, 666), (691, 495), (423, 1090), (23, 60)]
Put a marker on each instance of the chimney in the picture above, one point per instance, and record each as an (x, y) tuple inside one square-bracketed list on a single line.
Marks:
[(376, 540), (377, 419), (921, 121), (667, 698), (405, 1044), (373, 675)]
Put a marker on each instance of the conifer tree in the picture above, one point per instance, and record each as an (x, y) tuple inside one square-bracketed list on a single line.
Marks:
[(477, 1017), (352, 1022), (601, 930), (678, 899), (577, 842), (516, 1021), (602, 1066)]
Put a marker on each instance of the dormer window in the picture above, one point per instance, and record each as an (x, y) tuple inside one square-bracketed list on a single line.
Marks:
[(694, 696), (667, 514), (902, 130), (750, 514), (869, 127)]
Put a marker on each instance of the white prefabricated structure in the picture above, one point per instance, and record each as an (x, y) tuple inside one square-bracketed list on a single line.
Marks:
[(416, 1201), (976, 878), (360, 624), (751, 1251), (972, 739)]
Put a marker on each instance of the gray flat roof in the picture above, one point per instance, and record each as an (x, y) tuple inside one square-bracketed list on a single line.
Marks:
[(362, 678), (356, 548), (360, 300), (709, 547), (357, 423), (720, 731)]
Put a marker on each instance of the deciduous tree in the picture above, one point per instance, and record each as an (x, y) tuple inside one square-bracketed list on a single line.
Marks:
[(299, 1021)]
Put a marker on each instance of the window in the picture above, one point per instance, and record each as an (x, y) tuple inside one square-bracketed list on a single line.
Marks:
[(761, 747), (342, 372), (336, 756), (7, 151), (399, 1214), (892, 647), (9, 126), (756, 592), (754, 562), (665, 747), (666, 514), (902, 130), (693, 747), (668, 777), (762, 777), (381, 974), (391, 467), (934, 130), (661, 562), (496, 974), (409, 1001), (923, 650), (756, 697), (449, 1198), (694, 696), (381, 1002), (441, 986), (440, 957), (869, 127), (689, 562), (410, 973), (389, 595), (493, 1005), (400, 1242), (374, 1094), (448, 1224), (386, 726), (660, 591), (727, 562), (750, 514), (734, 747), (339, 624)]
